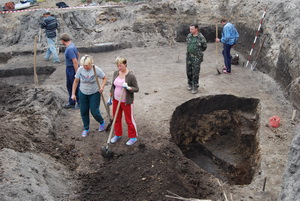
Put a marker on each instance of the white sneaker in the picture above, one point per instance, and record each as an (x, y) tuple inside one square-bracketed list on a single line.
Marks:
[(131, 141), (115, 139)]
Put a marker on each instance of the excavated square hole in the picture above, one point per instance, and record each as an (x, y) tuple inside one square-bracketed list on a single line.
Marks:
[(25, 75), (219, 133)]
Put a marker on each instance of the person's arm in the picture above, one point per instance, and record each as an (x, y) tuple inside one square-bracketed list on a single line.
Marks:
[(75, 64), (236, 35), (203, 44), (43, 24), (74, 87), (225, 34), (133, 84), (103, 83)]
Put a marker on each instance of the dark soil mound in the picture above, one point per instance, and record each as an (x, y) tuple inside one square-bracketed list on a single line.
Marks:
[(148, 174), (29, 122)]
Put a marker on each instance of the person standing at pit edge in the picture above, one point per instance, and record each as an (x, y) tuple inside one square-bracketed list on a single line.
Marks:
[(71, 56), (229, 38), (196, 45), (124, 78), (89, 93), (50, 25)]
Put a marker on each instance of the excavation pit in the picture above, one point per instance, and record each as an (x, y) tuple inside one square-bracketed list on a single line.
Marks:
[(25, 75), (219, 133)]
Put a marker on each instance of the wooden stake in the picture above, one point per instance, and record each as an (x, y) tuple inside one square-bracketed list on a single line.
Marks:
[(175, 196), (216, 42), (264, 186), (35, 76), (294, 115), (217, 50)]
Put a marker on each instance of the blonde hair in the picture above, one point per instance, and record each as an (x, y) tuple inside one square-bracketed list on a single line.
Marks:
[(120, 60), (86, 60)]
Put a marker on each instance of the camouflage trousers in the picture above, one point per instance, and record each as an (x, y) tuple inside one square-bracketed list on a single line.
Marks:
[(193, 70)]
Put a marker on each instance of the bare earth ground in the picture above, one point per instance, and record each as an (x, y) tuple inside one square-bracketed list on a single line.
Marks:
[(154, 165)]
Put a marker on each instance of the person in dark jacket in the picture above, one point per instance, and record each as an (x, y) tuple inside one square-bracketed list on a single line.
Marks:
[(50, 25), (124, 80)]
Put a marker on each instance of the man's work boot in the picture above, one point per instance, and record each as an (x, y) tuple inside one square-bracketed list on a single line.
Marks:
[(194, 90)]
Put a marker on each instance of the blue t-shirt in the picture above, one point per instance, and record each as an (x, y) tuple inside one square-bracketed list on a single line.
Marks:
[(71, 52)]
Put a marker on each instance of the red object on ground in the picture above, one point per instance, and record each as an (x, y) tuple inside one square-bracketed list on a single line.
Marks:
[(274, 121)]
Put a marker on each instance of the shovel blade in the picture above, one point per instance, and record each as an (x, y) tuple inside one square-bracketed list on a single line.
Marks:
[(106, 153), (108, 127), (253, 65)]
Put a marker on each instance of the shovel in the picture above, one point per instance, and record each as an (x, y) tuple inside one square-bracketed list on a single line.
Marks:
[(56, 45), (105, 152), (217, 51), (254, 63), (103, 100)]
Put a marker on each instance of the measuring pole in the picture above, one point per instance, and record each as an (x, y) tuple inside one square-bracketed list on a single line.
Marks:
[(256, 36)]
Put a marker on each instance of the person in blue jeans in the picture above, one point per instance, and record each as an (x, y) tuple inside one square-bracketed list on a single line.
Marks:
[(89, 93), (50, 25), (71, 57), (229, 38)]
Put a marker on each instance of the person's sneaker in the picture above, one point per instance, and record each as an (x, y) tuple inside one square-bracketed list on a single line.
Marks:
[(131, 141), (194, 90), (226, 72), (224, 68), (85, 133), (77, 106), (189, 87), (68, 106), (115, 139), (102, 126)]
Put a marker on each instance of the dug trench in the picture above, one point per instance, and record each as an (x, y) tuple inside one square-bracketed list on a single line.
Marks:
[(219, 133), (220, 139), (141, 172)]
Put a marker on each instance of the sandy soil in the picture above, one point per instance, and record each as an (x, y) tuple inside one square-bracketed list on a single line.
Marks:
[(154, 166)]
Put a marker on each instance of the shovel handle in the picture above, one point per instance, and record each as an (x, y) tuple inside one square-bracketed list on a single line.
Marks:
[(115, 117), (36, 80), (103, 99), (216, 38)]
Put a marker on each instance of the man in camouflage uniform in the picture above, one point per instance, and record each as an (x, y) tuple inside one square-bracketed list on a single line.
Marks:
[(196, 45)]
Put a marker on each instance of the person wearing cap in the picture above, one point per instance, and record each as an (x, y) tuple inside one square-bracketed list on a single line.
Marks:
[(71, 58), (50, 25)]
